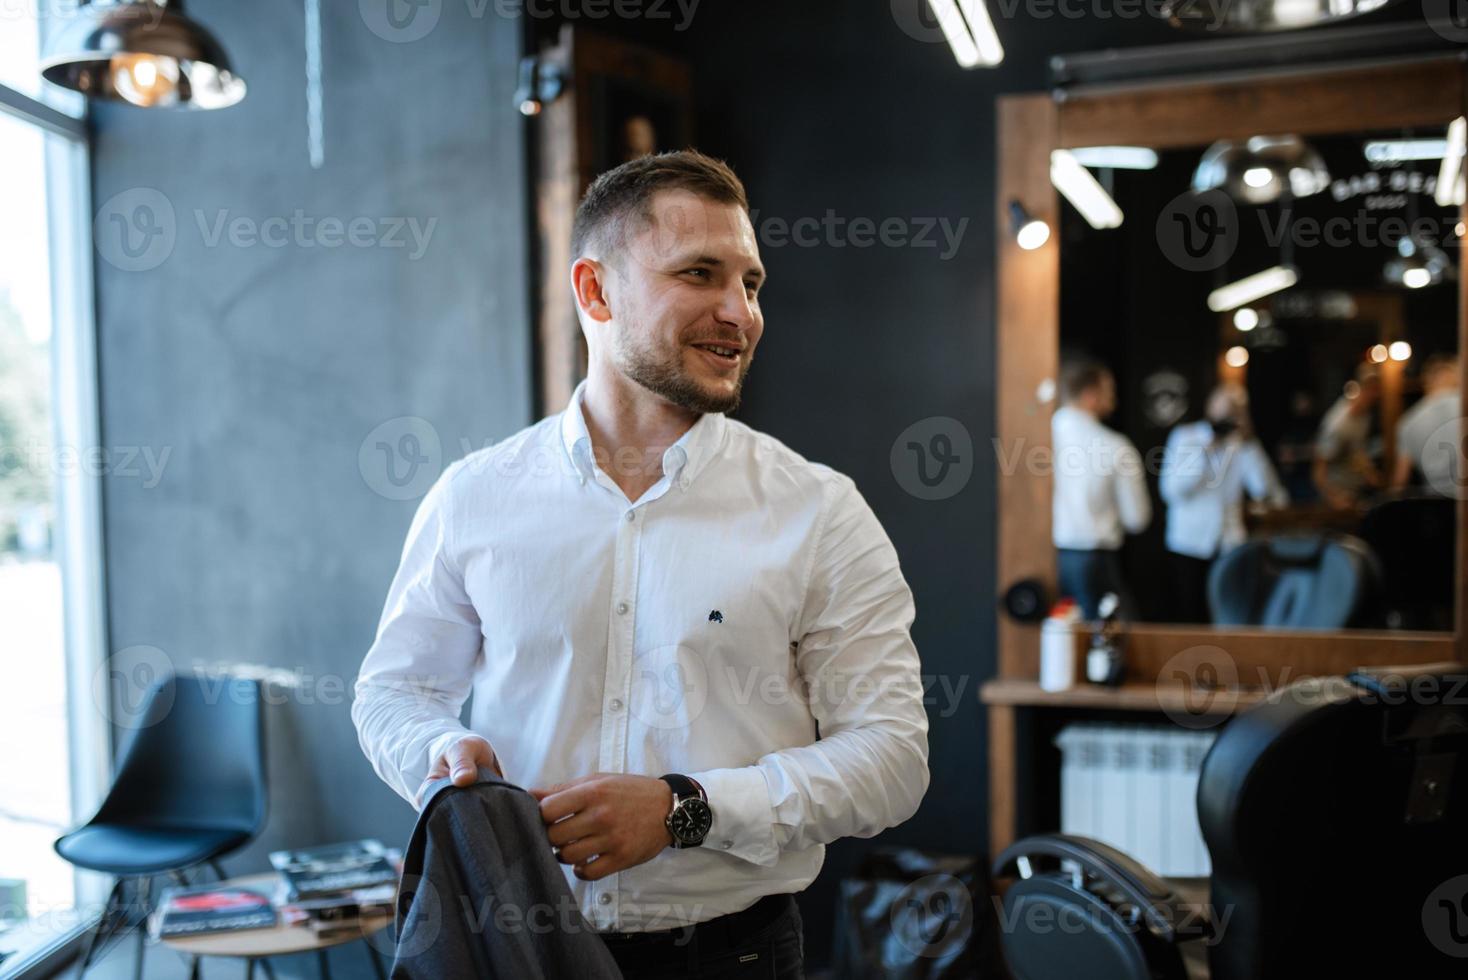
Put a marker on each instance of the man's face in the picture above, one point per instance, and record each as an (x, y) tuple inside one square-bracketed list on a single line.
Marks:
[(684, 296), (1105, 395)]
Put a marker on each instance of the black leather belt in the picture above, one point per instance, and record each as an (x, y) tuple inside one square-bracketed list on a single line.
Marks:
[(722, 933)]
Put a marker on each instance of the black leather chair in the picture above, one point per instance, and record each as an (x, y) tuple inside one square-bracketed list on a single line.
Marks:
[(1336, 816), (1297, 581), (190, 788), (1415, 538)]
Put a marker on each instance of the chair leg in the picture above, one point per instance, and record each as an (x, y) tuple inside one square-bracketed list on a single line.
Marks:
[(269, 970), (104, 923), (218, 869), (145, 887), (375, 958)]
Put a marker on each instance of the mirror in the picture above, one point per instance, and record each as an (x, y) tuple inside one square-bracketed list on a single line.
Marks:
[(1274, 328)]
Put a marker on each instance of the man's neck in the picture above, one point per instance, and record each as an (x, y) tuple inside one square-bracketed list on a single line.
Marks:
[(630, 429)]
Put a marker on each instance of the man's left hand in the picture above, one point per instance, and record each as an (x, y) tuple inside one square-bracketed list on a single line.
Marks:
[(606, 822)]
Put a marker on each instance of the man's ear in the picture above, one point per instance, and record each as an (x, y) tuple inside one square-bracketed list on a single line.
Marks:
[(589, 280)]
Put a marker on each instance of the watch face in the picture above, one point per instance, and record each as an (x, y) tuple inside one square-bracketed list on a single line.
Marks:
[(690, 823)]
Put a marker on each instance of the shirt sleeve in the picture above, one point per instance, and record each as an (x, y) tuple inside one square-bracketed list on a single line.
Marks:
[(1185, 467), (868, 770), (1133, 502), (419, 671), (1260, 479)]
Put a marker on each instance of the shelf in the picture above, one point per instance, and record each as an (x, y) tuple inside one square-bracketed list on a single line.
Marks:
[(1127, 697)]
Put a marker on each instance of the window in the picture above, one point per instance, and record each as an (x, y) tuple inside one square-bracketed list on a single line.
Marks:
[(53, 744)]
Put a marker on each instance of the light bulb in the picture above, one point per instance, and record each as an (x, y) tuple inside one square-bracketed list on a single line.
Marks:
[(145, 79), (1258, 176)]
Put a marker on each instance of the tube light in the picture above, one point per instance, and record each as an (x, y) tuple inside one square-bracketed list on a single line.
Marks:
[(1449, 190), (1116, 157), (1082, 191), (969, 30), (1250, 288)]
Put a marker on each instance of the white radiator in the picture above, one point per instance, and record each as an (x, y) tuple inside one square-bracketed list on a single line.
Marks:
[(1135, 787)]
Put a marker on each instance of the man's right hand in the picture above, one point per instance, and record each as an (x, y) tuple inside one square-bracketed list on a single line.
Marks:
[(462, 759)]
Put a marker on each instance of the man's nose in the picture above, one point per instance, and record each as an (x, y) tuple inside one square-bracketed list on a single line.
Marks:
[(735, 307)]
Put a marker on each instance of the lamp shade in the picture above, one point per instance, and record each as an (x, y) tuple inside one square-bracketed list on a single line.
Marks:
[(142, 53), (1260, 169)]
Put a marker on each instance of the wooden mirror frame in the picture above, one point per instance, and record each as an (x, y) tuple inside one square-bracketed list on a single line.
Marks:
[(1166, 114)]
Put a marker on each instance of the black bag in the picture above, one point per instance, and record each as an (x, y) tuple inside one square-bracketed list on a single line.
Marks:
[(911, 915)]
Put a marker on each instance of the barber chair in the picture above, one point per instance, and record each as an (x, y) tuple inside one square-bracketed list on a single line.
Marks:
[(1336, 816), (1415, 540), (1297, 581)]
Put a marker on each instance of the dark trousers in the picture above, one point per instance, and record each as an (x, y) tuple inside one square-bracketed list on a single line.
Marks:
[(1189, 577), (730, 946), (1086, 576)]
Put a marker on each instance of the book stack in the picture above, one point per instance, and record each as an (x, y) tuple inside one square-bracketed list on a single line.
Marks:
[(332, 888), (202, 909)]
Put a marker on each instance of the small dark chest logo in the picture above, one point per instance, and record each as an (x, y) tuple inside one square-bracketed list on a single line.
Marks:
[(716, 617)]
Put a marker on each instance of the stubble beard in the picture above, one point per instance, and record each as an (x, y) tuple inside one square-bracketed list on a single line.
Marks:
[(661, 372)]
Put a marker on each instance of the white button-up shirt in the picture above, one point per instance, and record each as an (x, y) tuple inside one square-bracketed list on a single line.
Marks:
[(1204, 481), (745, 603), (1100, 486)]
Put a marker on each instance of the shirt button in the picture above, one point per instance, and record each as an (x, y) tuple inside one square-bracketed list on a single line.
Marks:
[(605, 898), (631, 516), (621, 609), (616, 704)]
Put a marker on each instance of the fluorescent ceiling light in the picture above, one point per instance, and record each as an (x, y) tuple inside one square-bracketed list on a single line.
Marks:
[(969, 30), (1450, 175), (1116, 157), (1250, 288), (1399, 151), (1081, 190)]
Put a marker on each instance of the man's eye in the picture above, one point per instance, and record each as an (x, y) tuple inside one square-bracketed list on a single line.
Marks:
[(753, 287), (698, 272)]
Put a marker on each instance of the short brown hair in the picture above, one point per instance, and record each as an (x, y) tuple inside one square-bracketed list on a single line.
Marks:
[(626, 192), (1079, 376)]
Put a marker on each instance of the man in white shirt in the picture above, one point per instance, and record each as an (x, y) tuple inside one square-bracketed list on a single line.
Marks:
[(1100, 492), (1427, 441), (1207, 469), (690, 643)]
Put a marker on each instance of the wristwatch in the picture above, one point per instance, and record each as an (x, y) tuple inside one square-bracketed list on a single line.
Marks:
[(689, 821)]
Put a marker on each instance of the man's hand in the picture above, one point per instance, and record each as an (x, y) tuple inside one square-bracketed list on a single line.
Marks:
[(607, 822), (463, 760)]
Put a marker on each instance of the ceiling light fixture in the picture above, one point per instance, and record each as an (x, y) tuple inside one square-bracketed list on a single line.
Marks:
[(1082, 190), (1250, 288), (970, 32), (144, 53)]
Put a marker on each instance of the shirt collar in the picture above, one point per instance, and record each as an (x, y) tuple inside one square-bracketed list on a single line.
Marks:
[(682, 461)]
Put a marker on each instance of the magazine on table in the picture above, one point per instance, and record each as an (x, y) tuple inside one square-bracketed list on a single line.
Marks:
[(315, 872), (201, 909)]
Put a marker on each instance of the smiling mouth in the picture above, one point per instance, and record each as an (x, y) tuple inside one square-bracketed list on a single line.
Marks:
[(730, 354)]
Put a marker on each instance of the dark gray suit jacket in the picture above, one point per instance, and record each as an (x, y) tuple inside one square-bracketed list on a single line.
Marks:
[(483, 895)]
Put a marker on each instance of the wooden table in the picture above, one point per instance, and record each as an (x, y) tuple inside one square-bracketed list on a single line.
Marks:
[(280, 940)]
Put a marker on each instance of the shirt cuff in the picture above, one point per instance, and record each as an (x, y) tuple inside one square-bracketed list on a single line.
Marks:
[(744, 820)]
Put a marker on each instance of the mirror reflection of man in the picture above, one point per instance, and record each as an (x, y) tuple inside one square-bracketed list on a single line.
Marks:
[(1421, 447), (1100, 490), (1344, 472), (1208, 468), (691, 644)]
